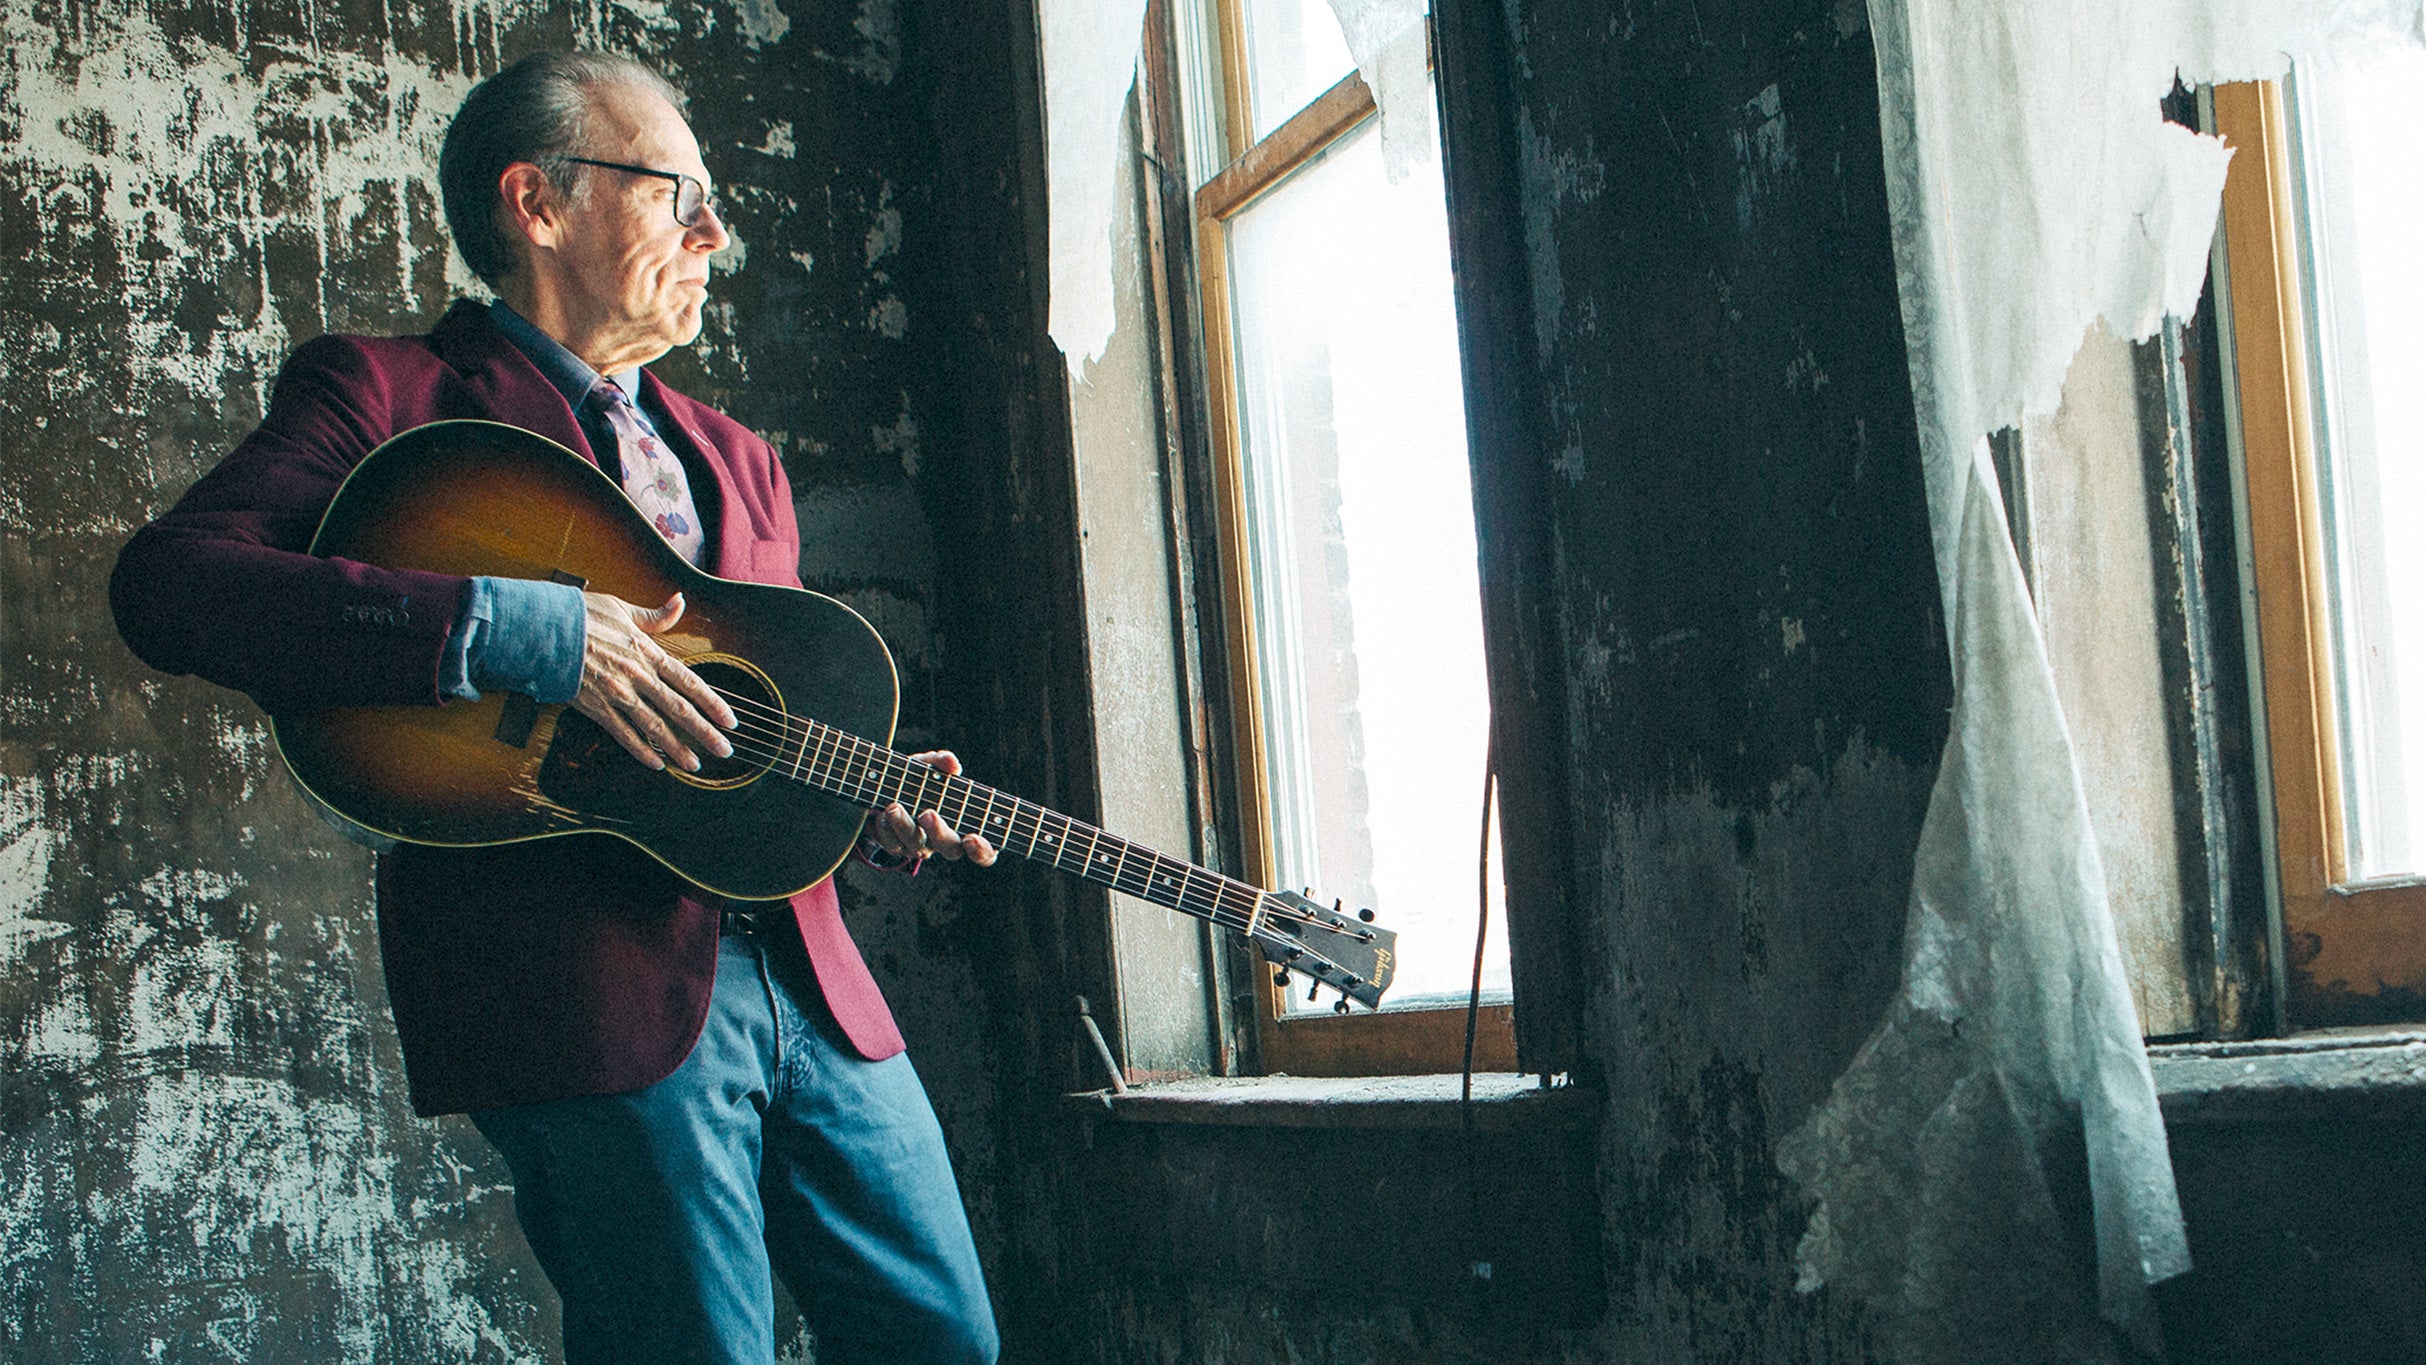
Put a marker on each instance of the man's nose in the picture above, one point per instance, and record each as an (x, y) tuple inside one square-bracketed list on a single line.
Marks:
[(708, 233)]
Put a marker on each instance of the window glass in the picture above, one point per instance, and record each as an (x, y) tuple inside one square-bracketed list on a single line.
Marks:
[(1360, 523), (2363, 201), (1295, 52)]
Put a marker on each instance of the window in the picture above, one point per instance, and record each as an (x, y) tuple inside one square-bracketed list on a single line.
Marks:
[(2212, 526), (2327, 294), (1344, 515)]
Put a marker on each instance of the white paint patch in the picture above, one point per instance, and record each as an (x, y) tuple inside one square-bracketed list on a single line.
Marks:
[(61, 1033), (779, 141), (884, 228), (655, 16), (900, 439), (1790, 633), (761, 22), (1763, 156), (719, 346), (878, 25), (26, 849), (890, 318), (181, 890), (183, 995), (186, 157), (1545, 180)]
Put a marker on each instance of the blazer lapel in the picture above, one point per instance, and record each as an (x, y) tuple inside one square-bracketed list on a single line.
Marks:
[(505, 385), (732, 550)]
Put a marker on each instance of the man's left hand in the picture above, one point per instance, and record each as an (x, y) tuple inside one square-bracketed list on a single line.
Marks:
[(899, 835)]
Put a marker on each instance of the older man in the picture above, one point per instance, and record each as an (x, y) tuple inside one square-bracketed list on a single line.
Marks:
[(693, 1095)]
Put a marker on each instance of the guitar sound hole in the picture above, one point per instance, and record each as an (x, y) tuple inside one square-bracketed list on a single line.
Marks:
[(760, 736)]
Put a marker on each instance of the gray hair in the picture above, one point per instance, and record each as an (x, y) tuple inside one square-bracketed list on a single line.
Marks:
[(536, 110)]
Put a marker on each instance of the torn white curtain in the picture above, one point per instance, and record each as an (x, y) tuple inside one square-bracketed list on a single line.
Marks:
[(1090, 61), (2033, 189), (1391, 45), (1090, 52)]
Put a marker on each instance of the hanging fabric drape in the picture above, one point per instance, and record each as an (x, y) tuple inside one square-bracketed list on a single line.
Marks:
[(2034, 190)]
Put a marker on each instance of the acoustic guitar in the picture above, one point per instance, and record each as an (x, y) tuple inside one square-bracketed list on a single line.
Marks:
[(809, 682)]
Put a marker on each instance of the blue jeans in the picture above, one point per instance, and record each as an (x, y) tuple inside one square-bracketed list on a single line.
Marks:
[(661, 1214)]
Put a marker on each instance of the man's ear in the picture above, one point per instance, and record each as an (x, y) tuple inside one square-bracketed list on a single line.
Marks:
[(529, 206)]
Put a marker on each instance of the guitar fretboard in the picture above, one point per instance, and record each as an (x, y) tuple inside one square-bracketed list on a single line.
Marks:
[(871, 775)]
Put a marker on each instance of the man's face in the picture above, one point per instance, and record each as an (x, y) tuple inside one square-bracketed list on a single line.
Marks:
[(631, 276)]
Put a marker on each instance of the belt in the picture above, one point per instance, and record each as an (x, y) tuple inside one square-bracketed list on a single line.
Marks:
[(746, 917)]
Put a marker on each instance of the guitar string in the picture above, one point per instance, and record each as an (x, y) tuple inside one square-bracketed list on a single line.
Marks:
[(1225, 891), (885, 763), (898, 767)]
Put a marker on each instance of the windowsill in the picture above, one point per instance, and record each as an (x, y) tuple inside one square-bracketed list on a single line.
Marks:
[(2329, 1075), (1503, 1102)]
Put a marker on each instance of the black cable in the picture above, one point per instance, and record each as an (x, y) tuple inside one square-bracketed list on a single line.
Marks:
[(1480, 1268)]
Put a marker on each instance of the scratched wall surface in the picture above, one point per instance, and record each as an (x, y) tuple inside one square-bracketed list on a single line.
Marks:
[(205, 1150), (1726, 596)]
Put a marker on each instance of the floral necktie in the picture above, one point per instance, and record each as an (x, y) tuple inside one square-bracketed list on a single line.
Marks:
[(652, 474)]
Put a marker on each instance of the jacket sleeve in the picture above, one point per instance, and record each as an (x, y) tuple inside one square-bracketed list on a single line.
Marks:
[(223, 585)]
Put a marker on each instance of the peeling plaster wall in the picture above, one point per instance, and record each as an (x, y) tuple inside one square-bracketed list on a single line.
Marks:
[(205, 1148), (1720, 648), (1753, 673)]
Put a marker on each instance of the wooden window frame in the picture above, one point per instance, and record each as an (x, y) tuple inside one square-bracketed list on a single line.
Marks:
[(2349, 953), (1363, 1043)]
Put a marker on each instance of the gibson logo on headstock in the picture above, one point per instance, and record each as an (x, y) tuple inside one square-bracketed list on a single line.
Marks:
[(1381, 964)]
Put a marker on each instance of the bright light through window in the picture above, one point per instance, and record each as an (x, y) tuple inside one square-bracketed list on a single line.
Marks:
[(1361, 530), (1295, 52), (2364, 202)]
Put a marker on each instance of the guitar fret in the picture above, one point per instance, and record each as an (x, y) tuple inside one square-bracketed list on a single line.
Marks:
[(874, 775), (825, 757), (896, 785), (1056, 840), (846, 755), (838, 765), (1034, 821)]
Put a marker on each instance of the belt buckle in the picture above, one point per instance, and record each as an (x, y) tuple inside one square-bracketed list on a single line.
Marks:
[(745, 917)]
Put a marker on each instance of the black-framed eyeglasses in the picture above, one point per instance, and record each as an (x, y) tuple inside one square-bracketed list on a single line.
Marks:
[(691, 199)]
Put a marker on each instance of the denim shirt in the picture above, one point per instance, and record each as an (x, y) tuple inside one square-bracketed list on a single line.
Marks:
[(517, 633)]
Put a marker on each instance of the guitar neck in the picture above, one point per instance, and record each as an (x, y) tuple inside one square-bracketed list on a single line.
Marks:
[(871, 775)]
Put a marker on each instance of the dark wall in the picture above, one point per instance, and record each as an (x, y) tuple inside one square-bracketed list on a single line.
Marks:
[(1721, 690), (1723, 660), (205, 1151)]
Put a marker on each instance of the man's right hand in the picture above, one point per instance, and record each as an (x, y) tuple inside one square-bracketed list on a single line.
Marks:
[(654, 706)]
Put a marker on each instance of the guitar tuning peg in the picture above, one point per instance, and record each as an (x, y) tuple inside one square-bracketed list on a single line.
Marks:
[(1365, 915), (1280, 978), (1338, 904), (1340, 1006), (1313, 991)]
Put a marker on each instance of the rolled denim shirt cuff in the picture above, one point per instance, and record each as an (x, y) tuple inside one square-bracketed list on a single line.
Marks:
[(525, 636)]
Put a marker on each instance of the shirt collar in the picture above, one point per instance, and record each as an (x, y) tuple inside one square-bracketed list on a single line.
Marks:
[(571, 375)]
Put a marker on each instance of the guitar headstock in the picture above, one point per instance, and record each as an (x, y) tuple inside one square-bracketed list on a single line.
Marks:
[(1329, 946)]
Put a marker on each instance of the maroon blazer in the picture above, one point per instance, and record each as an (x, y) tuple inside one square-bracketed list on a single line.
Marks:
[(572, 966)]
